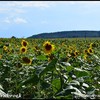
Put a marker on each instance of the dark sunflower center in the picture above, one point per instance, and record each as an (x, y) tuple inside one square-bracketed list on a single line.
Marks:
[(72, 54), (24, 43), (23, 49), (90, 50), (48, 47), (26, 60), (76, 53), (86, 51)]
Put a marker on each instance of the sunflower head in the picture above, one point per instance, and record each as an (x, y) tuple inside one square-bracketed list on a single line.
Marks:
[(48, 47), (72, 54), (5, 48), (23, 49), (85, 51), (85, 57), (76, 53), (24, 43), (90, 50), (26, 60), (92, 45)]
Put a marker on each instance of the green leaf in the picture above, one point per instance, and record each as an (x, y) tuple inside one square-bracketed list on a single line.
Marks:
[(34, 80), (40, 68), (1, 88), (1, 46), (66, 64), (85, 85), (90, 90), (41, 57), (45, 85), (69, 68), (2, 94), (66, 91), (80, 73), (49, 67), (75, 83), (56, 85), (79, 94), (67, 97)]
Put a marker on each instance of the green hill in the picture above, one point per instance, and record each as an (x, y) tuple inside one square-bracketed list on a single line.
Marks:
[(67, 34)]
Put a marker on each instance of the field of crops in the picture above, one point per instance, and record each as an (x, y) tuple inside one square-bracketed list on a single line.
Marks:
[(50, 68)]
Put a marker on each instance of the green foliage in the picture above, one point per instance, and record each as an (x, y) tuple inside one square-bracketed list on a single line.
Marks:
[(32, 80), (61, 75), (80, 73), (56, 85), (49, 67)]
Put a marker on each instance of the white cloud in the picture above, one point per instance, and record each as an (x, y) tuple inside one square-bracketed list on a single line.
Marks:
[(88, 3), (19, 20), (19, 11), (29, 3), (12, 20), (17, 7), (43, 4), (3, 10), (7, 20)]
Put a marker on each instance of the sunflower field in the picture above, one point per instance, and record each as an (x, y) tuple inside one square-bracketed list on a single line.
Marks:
[(67, 68)]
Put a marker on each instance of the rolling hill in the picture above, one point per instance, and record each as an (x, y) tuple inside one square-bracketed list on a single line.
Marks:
[(67, 34)]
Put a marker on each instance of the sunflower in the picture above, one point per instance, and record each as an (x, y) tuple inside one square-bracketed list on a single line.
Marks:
[(85, 57), (24, 43), (23, 49), (90, 50), (85, 51), (92, 45), (72, 54), (27, 60), (76, 53), (5, 48), (48, 47)]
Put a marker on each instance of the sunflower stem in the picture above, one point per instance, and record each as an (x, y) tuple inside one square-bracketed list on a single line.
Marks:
[(52, 77)]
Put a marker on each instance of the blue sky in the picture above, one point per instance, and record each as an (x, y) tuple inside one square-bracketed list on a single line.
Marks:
[(26, 18)]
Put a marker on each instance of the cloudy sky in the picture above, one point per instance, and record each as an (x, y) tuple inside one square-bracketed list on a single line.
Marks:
[(26, 18)]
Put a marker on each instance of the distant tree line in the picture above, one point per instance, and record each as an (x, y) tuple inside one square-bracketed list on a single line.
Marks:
[(67, 34)]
